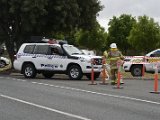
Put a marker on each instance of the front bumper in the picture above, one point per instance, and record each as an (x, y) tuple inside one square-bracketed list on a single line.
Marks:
[(96, 68)]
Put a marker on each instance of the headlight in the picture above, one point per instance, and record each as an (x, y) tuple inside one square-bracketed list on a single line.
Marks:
[(85, 60)]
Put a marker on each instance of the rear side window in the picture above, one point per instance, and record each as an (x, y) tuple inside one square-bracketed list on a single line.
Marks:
[(29, 49), (156, 54), (41, 49)]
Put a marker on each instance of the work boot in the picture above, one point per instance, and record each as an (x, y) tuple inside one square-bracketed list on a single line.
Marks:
[(121, 82)]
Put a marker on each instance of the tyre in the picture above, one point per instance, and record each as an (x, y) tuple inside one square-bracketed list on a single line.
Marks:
[(29, 71), (48, 74), (75, 72), (96, 75), (136, 70), (2, 64)]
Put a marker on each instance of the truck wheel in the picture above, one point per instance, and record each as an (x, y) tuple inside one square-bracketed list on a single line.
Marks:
[(48, 74), (75, 72), (136, 70), (29, 71), (96, 75)]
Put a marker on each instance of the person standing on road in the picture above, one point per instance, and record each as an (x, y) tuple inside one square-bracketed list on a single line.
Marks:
[(114, 56)]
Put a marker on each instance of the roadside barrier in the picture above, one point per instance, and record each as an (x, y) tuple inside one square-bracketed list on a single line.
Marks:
[(156, 81), (92, 74)]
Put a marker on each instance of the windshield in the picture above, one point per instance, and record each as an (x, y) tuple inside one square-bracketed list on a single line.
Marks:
[(72, 50)]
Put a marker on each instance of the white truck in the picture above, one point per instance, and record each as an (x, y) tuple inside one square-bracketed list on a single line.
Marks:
[(49, 59), (135, 64)]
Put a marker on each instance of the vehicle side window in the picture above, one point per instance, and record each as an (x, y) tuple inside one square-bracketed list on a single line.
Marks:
[(156, 54), (41, 49), (29, 49), (55, 51)]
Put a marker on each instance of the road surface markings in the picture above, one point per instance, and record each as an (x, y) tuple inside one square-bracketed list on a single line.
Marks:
[(44, 107), (97, 93)]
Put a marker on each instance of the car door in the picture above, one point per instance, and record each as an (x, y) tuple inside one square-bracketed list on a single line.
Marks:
[(41, 58), (155, 60), (57, 59), (26, 54)]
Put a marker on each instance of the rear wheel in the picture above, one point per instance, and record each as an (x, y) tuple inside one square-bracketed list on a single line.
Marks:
[(75, 72), (48, 74), (29, 71), (136, 70)]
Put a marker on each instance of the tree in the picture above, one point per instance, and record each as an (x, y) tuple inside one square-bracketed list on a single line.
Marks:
[(94, 39), (20, 19), (145, 35), (17, 20), (88, 12), (119, 29)]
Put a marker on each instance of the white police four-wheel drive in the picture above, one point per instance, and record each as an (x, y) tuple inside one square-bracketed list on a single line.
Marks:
[(50, 59)]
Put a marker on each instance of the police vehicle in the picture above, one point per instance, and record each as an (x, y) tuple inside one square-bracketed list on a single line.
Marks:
[(57, 58), (135, 64)]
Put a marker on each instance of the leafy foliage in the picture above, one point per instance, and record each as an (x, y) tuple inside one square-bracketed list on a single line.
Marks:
[(145, 35), (20, 19), (119, 29), (94, 39)]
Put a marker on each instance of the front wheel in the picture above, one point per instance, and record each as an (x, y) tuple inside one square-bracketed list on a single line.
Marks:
[(75, 72), (29, 71), (136, 71)]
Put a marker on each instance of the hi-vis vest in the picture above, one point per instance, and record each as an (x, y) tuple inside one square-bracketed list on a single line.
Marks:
[(113, 57)]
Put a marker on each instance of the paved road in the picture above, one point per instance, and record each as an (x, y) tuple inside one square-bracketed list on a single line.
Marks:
[(62, 99)]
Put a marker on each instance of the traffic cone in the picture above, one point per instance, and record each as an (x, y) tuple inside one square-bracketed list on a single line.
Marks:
[(156, 81), (143, 71), (118, 80), (104, 73), (92, 74)]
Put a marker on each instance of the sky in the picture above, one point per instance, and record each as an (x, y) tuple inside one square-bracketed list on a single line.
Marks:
[(136, 8)]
